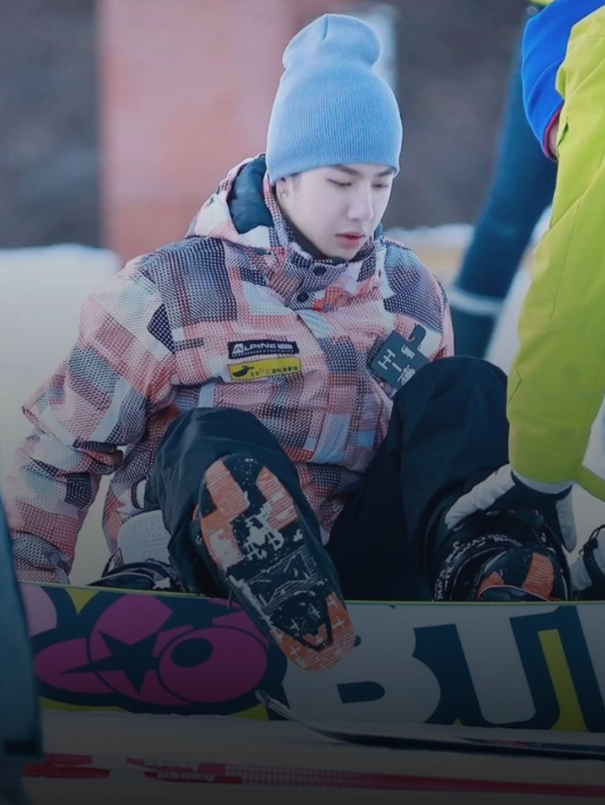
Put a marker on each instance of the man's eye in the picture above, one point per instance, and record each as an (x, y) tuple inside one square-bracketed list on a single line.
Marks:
[(339, 184)]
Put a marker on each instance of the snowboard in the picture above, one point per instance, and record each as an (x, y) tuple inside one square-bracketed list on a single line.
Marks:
[(438, 738), (537, 666)]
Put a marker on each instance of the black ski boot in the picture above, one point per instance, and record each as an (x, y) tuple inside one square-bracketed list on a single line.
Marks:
[(267, 556), (149, 574), (501, 557)]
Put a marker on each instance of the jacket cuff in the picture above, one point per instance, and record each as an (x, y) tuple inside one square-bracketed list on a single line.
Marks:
[(540, 486)]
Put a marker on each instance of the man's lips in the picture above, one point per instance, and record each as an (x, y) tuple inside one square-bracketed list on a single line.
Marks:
[(351, 236)]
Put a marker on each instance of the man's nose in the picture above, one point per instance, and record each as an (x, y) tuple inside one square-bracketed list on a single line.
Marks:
[(362, 205)]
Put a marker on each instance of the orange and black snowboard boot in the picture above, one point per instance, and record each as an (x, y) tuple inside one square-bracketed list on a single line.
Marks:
[(503, 557), (267, 555)]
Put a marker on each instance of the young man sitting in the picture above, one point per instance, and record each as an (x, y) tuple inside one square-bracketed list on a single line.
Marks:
[(280, 385)]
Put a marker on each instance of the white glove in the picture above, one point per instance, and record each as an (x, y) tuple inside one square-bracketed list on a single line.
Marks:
[(505, 490)]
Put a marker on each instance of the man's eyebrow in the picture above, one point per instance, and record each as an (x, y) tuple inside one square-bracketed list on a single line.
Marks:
[(353, 172)]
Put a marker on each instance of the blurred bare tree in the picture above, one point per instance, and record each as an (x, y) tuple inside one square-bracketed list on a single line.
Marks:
[(48, 123), (454, 61), (454, 58)]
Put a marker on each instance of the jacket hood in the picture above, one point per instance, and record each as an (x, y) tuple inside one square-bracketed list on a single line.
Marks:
[(244, 210)]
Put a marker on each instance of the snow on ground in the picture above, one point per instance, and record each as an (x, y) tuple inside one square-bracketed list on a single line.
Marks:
[(41, 290), (110, 738)]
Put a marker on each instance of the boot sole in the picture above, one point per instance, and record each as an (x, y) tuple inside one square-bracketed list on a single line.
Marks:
[(274, 566)]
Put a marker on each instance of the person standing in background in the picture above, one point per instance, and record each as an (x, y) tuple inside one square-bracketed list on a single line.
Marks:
[(557, 380), (556, 387), (521, 191)]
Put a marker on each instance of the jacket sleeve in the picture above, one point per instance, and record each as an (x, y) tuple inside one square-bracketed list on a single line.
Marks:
[(118, 372), (557, 381)]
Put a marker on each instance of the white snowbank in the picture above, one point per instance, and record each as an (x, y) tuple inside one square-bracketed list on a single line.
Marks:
[(450, 236), (41, 292)]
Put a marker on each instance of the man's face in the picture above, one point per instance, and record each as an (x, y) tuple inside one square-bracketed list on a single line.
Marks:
[(337, 208)]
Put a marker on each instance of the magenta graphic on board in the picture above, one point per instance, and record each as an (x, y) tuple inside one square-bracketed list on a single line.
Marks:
[(149, 653)]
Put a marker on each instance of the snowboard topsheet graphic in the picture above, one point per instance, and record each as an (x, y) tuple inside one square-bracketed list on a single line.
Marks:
[(530, 666)]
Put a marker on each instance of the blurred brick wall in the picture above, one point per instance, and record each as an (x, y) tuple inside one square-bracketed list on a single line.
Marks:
[(454, 58), (187, 88), (454, 63), (49, 158)]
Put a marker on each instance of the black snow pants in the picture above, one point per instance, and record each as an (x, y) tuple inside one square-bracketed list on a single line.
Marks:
[(448, 431)]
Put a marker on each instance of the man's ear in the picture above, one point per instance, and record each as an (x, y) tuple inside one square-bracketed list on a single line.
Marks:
[(281, 188)]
